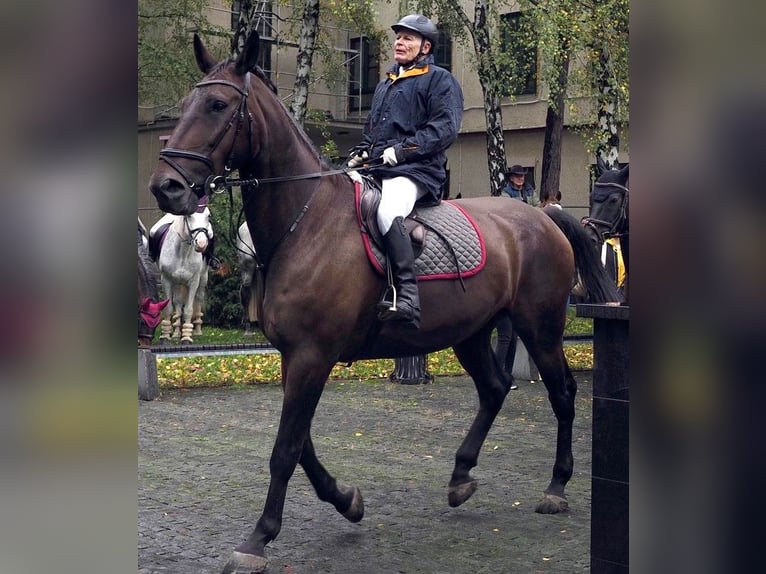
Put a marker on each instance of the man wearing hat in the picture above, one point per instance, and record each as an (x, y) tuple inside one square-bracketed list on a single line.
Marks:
[(517, 187)]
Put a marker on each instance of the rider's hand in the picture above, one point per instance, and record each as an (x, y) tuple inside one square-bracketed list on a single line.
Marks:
[(389, 156), (358, 159)]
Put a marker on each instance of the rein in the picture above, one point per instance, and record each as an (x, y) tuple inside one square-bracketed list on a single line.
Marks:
[(219, 184)]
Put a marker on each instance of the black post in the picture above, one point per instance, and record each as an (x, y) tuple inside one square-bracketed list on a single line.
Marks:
[(148, 386), (411, 371), (611, 402)]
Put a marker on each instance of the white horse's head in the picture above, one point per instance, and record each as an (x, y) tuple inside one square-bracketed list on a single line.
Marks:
[(199, 229)]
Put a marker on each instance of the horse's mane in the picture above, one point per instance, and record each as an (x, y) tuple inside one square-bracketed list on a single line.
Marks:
[(297, 128)]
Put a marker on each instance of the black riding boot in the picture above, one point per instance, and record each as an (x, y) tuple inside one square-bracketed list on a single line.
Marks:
[(401, 260)]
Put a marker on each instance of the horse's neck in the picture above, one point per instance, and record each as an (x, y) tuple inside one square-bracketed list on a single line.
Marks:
[(179, 227)]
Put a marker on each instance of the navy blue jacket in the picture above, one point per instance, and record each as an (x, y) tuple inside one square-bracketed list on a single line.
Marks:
[(419, 114)]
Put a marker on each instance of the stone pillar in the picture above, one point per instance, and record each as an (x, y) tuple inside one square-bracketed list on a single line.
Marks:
[(148, 387), (411, 371), (611, 401)]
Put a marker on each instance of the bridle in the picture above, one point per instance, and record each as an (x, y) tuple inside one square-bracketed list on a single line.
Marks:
[(217, 184), (606, 229), (194, 231), (220, 183), (168, 154)]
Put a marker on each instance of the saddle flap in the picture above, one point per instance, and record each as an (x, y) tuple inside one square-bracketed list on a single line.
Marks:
[(447, 243), (368, 203)]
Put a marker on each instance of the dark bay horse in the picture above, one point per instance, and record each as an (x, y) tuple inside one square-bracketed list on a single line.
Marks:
[(610, 210), (320, 291), (149, 304)]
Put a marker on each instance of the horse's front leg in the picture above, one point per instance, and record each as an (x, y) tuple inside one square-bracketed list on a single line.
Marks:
[(303, 382), (187, 327), (166, 326)]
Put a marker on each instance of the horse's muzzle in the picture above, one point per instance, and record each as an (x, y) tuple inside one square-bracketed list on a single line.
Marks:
[(172, 195)]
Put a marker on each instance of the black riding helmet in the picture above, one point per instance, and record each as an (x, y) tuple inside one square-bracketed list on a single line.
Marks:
[(421, 25)]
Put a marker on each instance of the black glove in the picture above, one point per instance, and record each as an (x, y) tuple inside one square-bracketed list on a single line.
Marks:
[(358, 155)]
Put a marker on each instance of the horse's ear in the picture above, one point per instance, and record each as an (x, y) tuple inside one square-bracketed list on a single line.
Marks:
[(247, 61), (625, 172), (600, 165), (204, 60)]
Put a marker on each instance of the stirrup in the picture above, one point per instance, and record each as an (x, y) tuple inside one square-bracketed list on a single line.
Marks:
[(388, 305)]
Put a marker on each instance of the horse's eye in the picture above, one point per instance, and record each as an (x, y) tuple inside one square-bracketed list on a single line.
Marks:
[(218, 106)]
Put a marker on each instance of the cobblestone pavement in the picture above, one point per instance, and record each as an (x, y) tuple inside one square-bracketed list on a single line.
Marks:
[(203, 474)]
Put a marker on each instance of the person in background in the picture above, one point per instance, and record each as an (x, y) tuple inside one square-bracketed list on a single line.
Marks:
[(516, 185), (415, 116), (518, 188)]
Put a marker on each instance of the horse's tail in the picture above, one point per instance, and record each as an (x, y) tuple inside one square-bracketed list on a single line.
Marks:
[(599, 286)]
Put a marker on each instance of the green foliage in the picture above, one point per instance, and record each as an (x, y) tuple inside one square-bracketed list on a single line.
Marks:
[(223, 305), (166, 65), (251, 369)]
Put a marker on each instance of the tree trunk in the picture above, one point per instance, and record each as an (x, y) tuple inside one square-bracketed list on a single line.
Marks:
[(550, 178), (306, 44), (609, 142), (493, 113), (244, 25)]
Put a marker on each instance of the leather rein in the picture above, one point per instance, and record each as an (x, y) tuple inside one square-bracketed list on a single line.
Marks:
[(216, 184)]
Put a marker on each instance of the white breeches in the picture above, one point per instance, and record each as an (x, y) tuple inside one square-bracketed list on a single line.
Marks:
[(399, 195)]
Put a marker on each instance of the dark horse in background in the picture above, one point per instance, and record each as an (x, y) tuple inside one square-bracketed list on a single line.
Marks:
[(318, 304), (609, 211), (149, 304)]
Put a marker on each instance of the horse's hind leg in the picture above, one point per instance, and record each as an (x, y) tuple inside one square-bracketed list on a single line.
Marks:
[(347, 499), (548, 354), (476, 356)]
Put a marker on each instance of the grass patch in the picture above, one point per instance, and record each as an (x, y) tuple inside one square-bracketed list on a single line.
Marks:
[(241, 370)]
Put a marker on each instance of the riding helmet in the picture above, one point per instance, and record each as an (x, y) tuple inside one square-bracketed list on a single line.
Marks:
[(421, 25)]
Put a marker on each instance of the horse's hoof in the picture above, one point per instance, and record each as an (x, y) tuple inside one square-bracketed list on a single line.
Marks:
[(462, 492), (552, 504), (187, 340), (240, 563), (355, 512)]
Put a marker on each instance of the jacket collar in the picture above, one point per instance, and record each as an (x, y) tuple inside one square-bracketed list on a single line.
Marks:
[(418, 69)]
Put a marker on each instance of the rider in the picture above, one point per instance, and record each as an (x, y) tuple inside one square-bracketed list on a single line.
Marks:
[(415, 116)]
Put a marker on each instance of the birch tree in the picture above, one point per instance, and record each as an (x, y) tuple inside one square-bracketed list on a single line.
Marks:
[(478, 28)]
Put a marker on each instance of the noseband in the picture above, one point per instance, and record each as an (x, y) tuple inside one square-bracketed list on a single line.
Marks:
[(606, 229), (168, 154), (194, 231)]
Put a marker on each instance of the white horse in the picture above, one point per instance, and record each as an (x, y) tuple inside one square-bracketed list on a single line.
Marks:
[(184, 272), (246, 258)]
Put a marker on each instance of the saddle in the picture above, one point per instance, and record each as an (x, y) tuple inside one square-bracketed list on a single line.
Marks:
[(155, 241), (446, 242)]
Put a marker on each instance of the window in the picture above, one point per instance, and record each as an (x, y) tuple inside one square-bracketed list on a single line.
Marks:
[(443, 52), (363, 73), (519, 67), (262, 19)]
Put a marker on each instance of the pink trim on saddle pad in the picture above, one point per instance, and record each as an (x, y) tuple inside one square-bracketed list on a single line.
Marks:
[(381, 270)]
